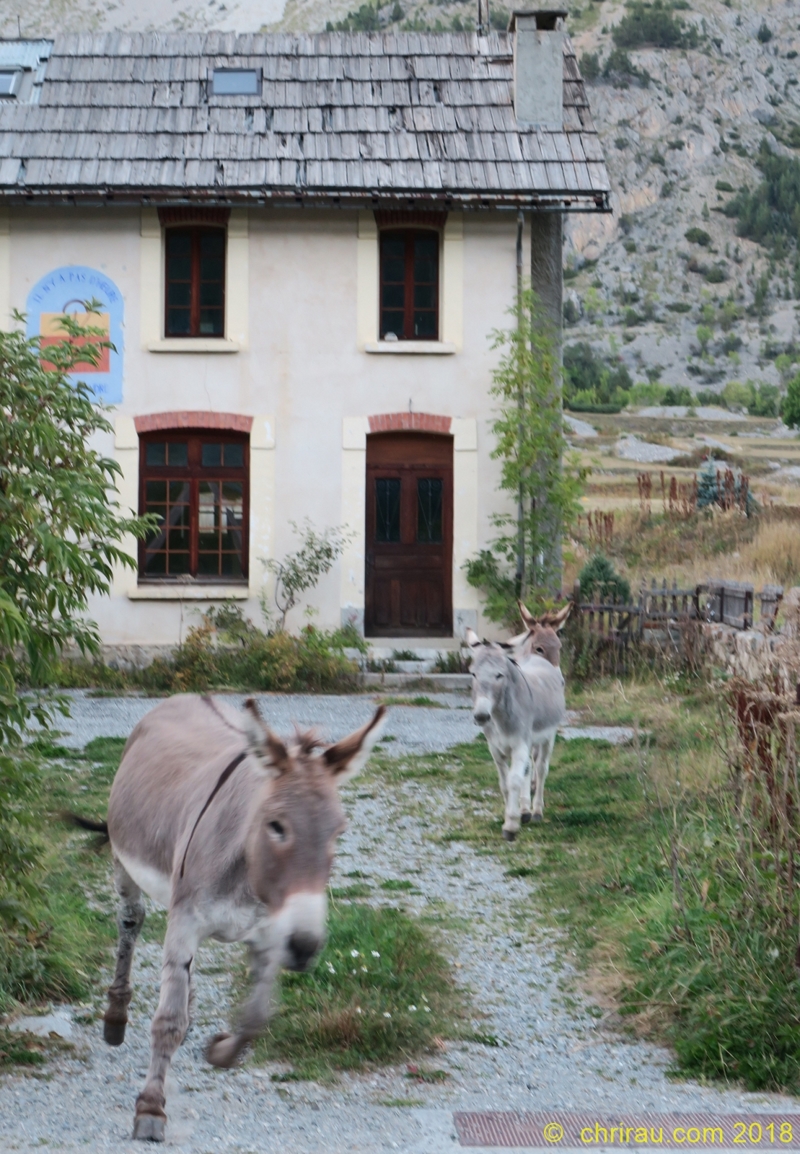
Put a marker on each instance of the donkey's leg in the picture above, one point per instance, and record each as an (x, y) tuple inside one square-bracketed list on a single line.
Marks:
[(129, 922), (224, 1049), (542, 767), (170, 1023), (520, 766), (501, 764), (525, 796)]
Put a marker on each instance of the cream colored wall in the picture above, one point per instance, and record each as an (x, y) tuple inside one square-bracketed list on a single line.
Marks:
[(298, 318)]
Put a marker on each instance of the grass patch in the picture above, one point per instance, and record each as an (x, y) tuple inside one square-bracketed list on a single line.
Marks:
[(380, 993), (20, 1049), (671, 940), (394, 884), (58, 922), (397, 1102), (421, 700)]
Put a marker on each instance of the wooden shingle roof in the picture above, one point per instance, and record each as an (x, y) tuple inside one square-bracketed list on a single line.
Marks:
[(340, 117)]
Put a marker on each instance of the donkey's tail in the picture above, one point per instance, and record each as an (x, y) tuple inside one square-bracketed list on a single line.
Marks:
[(85, 823)]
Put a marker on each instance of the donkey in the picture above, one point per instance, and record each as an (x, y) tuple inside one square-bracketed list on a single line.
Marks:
[(541, 634), (519, 704), (233, 831)]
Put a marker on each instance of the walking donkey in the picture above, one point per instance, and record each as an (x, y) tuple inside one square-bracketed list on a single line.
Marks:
[(233, 831), (518, 700)]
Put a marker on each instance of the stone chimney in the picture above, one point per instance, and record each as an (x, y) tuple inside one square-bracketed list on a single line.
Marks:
[(538, 67)]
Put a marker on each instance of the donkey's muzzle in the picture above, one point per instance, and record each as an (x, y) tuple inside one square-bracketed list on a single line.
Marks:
[(302, 948), (481, 717)]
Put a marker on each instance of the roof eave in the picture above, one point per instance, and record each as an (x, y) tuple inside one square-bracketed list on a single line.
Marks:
[(551, 200)]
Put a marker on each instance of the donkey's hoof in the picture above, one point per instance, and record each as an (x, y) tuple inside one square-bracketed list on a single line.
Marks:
[(222, 1050), (510, 834), (149, 1127), (114, 1033), (524, 818), (537, 817)]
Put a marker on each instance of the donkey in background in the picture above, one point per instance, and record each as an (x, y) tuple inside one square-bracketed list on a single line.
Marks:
[(518, 700), (233, 831)]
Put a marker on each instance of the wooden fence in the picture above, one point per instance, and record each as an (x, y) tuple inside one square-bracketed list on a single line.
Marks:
[(661, 610)]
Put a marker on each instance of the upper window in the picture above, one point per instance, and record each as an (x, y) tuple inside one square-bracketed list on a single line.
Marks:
[(236, 82), (10, 79), (409, 285), (197, 485), (195, 282)]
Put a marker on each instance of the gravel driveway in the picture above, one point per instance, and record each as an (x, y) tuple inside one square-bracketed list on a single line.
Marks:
[(554, 1050)]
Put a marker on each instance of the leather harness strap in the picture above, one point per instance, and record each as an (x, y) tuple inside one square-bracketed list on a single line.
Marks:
[(226, 773)]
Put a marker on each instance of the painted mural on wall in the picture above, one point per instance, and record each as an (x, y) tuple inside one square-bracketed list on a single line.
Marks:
[(64, 290)]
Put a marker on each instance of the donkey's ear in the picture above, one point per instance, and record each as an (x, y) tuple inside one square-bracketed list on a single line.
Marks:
[(349, 756), (472, 638), (269, 749), (528, 620), (513, 642), (559, 620)]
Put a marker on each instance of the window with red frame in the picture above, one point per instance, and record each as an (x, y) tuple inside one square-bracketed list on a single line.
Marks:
[(197, 485), (409, 285), (195, 282)]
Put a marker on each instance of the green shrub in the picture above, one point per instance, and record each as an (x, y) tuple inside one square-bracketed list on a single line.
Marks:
[(790, 407), (590, 66), (771, 212), (678, 395), (765, 401), (593, 379), (698, 236), (653, 25), (764, 33), (600, 580), (620, 68)]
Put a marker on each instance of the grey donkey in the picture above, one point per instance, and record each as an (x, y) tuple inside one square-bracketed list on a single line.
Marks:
[(519, 704), (233, 831)]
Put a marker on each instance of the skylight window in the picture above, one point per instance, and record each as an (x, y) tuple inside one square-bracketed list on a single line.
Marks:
[(236, 81), (9, 81)]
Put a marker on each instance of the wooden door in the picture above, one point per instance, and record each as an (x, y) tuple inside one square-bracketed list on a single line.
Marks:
[(409, 535)]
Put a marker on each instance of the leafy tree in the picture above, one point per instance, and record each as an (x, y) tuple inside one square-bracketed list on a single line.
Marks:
[(790, 409), (601, 380), (770, 213), (61, 531), (524, 559), (653, 24), (678, 395), (704, 337), (301, 570), (590, 66), (698, 236)]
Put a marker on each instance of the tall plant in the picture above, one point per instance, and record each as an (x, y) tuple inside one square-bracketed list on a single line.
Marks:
[(544, 481), (61, 530)]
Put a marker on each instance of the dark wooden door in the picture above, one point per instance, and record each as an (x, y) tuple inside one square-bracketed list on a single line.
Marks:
[(409, 535)]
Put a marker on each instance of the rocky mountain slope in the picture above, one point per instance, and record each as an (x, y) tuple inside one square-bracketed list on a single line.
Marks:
[(682, 129)]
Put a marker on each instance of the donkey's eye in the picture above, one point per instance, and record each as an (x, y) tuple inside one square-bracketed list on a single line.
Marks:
[(498, 676), (539, 649), (277, 830)]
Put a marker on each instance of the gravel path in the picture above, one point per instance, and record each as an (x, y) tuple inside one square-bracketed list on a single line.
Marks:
[(413, 729), (555, 1050)]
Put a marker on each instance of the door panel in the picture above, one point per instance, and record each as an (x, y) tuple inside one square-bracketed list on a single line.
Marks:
[(409, 535)]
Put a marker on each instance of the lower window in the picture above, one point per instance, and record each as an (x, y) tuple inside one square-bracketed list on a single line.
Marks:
[(197, 485)]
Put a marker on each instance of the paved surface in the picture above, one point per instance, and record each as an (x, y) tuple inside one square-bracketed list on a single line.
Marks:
[(554, 1049)]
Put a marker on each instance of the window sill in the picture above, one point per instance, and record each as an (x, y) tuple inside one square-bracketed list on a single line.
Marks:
[(188, 592), (193, 345), (400, 348)]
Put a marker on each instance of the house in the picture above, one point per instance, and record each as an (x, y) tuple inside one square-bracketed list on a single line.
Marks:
[(300, 244)]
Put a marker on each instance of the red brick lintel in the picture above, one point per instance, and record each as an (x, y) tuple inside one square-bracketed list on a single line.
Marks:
[(193, 419), (408, 422)]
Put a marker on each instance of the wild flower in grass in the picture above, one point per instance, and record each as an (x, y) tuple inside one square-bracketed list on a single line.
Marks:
[(330, 967), (375, 954), (413, 1009), (354, 953), (358, 1009), (386, 1014), (364, 970)]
